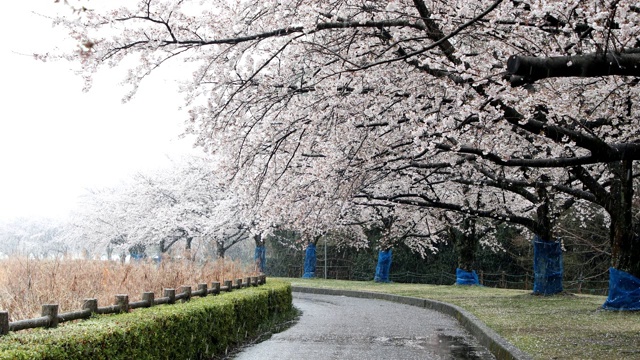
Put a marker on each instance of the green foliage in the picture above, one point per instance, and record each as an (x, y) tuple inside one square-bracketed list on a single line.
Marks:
[(281, 256), (200, 328), (586, 259), (583, 231), (406, 266)]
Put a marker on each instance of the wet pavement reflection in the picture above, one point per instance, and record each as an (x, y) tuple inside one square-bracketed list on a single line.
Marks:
[(459, 349), (338, 327)]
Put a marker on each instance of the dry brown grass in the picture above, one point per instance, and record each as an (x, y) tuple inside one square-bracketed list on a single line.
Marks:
[(26, 284)]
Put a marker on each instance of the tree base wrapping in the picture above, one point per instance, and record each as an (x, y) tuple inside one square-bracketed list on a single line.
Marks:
[(384, 266), (260, 258), (464, 277), (310, 262), (547, 267), (624, 291)]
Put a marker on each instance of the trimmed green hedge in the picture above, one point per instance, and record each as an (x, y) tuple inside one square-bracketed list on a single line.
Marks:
[(198, 329)]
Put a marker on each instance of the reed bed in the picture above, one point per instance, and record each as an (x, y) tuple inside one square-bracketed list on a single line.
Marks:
[(27, 284)]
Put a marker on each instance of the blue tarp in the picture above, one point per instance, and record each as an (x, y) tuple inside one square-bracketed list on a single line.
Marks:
[(464, 277), (624, 291), (384, 266), (310, 262), (260, 258), (547, 267), (137, 256)]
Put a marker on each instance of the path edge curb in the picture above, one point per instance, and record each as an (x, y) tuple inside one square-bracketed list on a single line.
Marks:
[(497, 345)]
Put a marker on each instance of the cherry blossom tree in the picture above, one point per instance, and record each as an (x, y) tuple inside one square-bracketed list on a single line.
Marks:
[(184, 203), (33, 237), (343, 89), (468, 193)]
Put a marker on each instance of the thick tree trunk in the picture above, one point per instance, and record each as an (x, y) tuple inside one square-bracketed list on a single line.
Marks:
[(137, 251), (548, 264), (467, 246), (259, 257), (624, 275), (385, 242), (187, 248), (466, 242), (220, 249), (625, 244), (543, 215), (383, 268), (258, 239), (310, 259)]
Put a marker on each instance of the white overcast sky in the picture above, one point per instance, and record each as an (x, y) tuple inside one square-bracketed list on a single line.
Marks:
[(55, 140)]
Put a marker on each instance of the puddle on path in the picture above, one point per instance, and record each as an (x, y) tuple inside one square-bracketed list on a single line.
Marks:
[(459, 349), (446, 346)]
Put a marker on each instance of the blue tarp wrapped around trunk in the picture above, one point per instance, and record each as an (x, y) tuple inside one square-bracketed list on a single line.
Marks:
[(384, 266), (260, 258), (137, 256), (547, 267), (624, 291), (464, 277), (310, 262)]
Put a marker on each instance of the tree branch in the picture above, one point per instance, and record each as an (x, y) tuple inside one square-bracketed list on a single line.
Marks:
[(529, 69), (423, 201)]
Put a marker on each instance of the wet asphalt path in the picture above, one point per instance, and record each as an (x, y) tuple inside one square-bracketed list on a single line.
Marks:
[(338, 327)]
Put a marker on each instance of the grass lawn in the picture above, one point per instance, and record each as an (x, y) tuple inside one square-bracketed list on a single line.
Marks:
[(554, 327)]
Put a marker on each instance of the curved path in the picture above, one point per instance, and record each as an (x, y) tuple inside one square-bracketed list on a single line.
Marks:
[(339, 327)]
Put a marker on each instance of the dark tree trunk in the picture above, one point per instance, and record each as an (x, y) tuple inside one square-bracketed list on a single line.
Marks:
[(187, 248), (258, 240), (625, 245), (167, 242), (259, 257), (467, 246), (618, 201), (466, 242), (220, 249), (385, 254), (543, 215), (547, 253), (310, 258)]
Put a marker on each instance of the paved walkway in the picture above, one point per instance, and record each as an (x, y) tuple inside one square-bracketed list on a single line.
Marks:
[(338, 327)]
